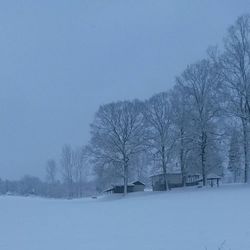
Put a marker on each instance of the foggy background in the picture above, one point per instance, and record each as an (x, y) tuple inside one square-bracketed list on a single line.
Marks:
[(60, 60)]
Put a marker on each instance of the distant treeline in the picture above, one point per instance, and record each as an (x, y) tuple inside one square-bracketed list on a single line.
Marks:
[(33, 186)]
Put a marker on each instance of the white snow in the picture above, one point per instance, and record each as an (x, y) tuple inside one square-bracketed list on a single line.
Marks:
[(190, 219)]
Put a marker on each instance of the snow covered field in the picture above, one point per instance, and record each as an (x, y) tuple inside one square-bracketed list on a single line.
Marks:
[(191, 219)]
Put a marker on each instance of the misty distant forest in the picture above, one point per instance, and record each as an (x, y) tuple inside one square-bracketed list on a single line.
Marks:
[(201, 125)]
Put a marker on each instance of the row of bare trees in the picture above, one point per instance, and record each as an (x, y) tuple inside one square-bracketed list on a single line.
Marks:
[(188, 127), (72, 169), (66, 179)]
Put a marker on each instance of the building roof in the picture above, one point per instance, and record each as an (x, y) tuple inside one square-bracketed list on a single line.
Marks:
[(213, 176), (138, 183), (131, 184), (168, 174), (108, 190), (209, 176), (193, 174)]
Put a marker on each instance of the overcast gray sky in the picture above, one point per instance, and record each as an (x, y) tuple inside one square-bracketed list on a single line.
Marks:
[(60, 60)]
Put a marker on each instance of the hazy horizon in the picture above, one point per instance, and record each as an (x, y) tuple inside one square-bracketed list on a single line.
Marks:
[(61, 60)]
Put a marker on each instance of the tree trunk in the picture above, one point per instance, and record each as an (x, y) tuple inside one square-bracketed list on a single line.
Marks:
[(80, 183), (125, 178), (164, 167), (183, 172), (245, 142), (70, 189), (235, 175), (203, 157)]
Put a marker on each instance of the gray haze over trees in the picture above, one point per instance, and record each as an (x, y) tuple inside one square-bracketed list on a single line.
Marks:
[(56, 71)]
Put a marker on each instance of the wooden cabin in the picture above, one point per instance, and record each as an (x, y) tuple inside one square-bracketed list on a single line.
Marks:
[(135, 186), (174, 180), (193, 179), (138, 186), (213, 179)]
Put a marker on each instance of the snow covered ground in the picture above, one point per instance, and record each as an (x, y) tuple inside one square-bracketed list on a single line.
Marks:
[(191, 219)]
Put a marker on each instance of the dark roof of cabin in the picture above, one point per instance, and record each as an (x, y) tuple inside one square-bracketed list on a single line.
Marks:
[(213, 176), (138, 183), (129, 185), (108, 190), (135, 183), (168, 174)]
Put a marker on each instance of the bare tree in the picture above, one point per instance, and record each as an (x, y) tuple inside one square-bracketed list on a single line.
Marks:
[(182, 122), (235, 64), (51, 171), (67, 168), (201, 81), (117, 135), (30, 185), (141, 165), (234, 155), (158, 116), (79, 165)]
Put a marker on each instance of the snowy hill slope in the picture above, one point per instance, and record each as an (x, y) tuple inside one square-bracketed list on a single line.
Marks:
[(191, 219)]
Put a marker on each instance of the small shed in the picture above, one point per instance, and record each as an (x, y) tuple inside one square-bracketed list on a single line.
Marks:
[(193, 179), (213, 179), (119, 189), (174, 180), (136, 186), (109, 190)]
